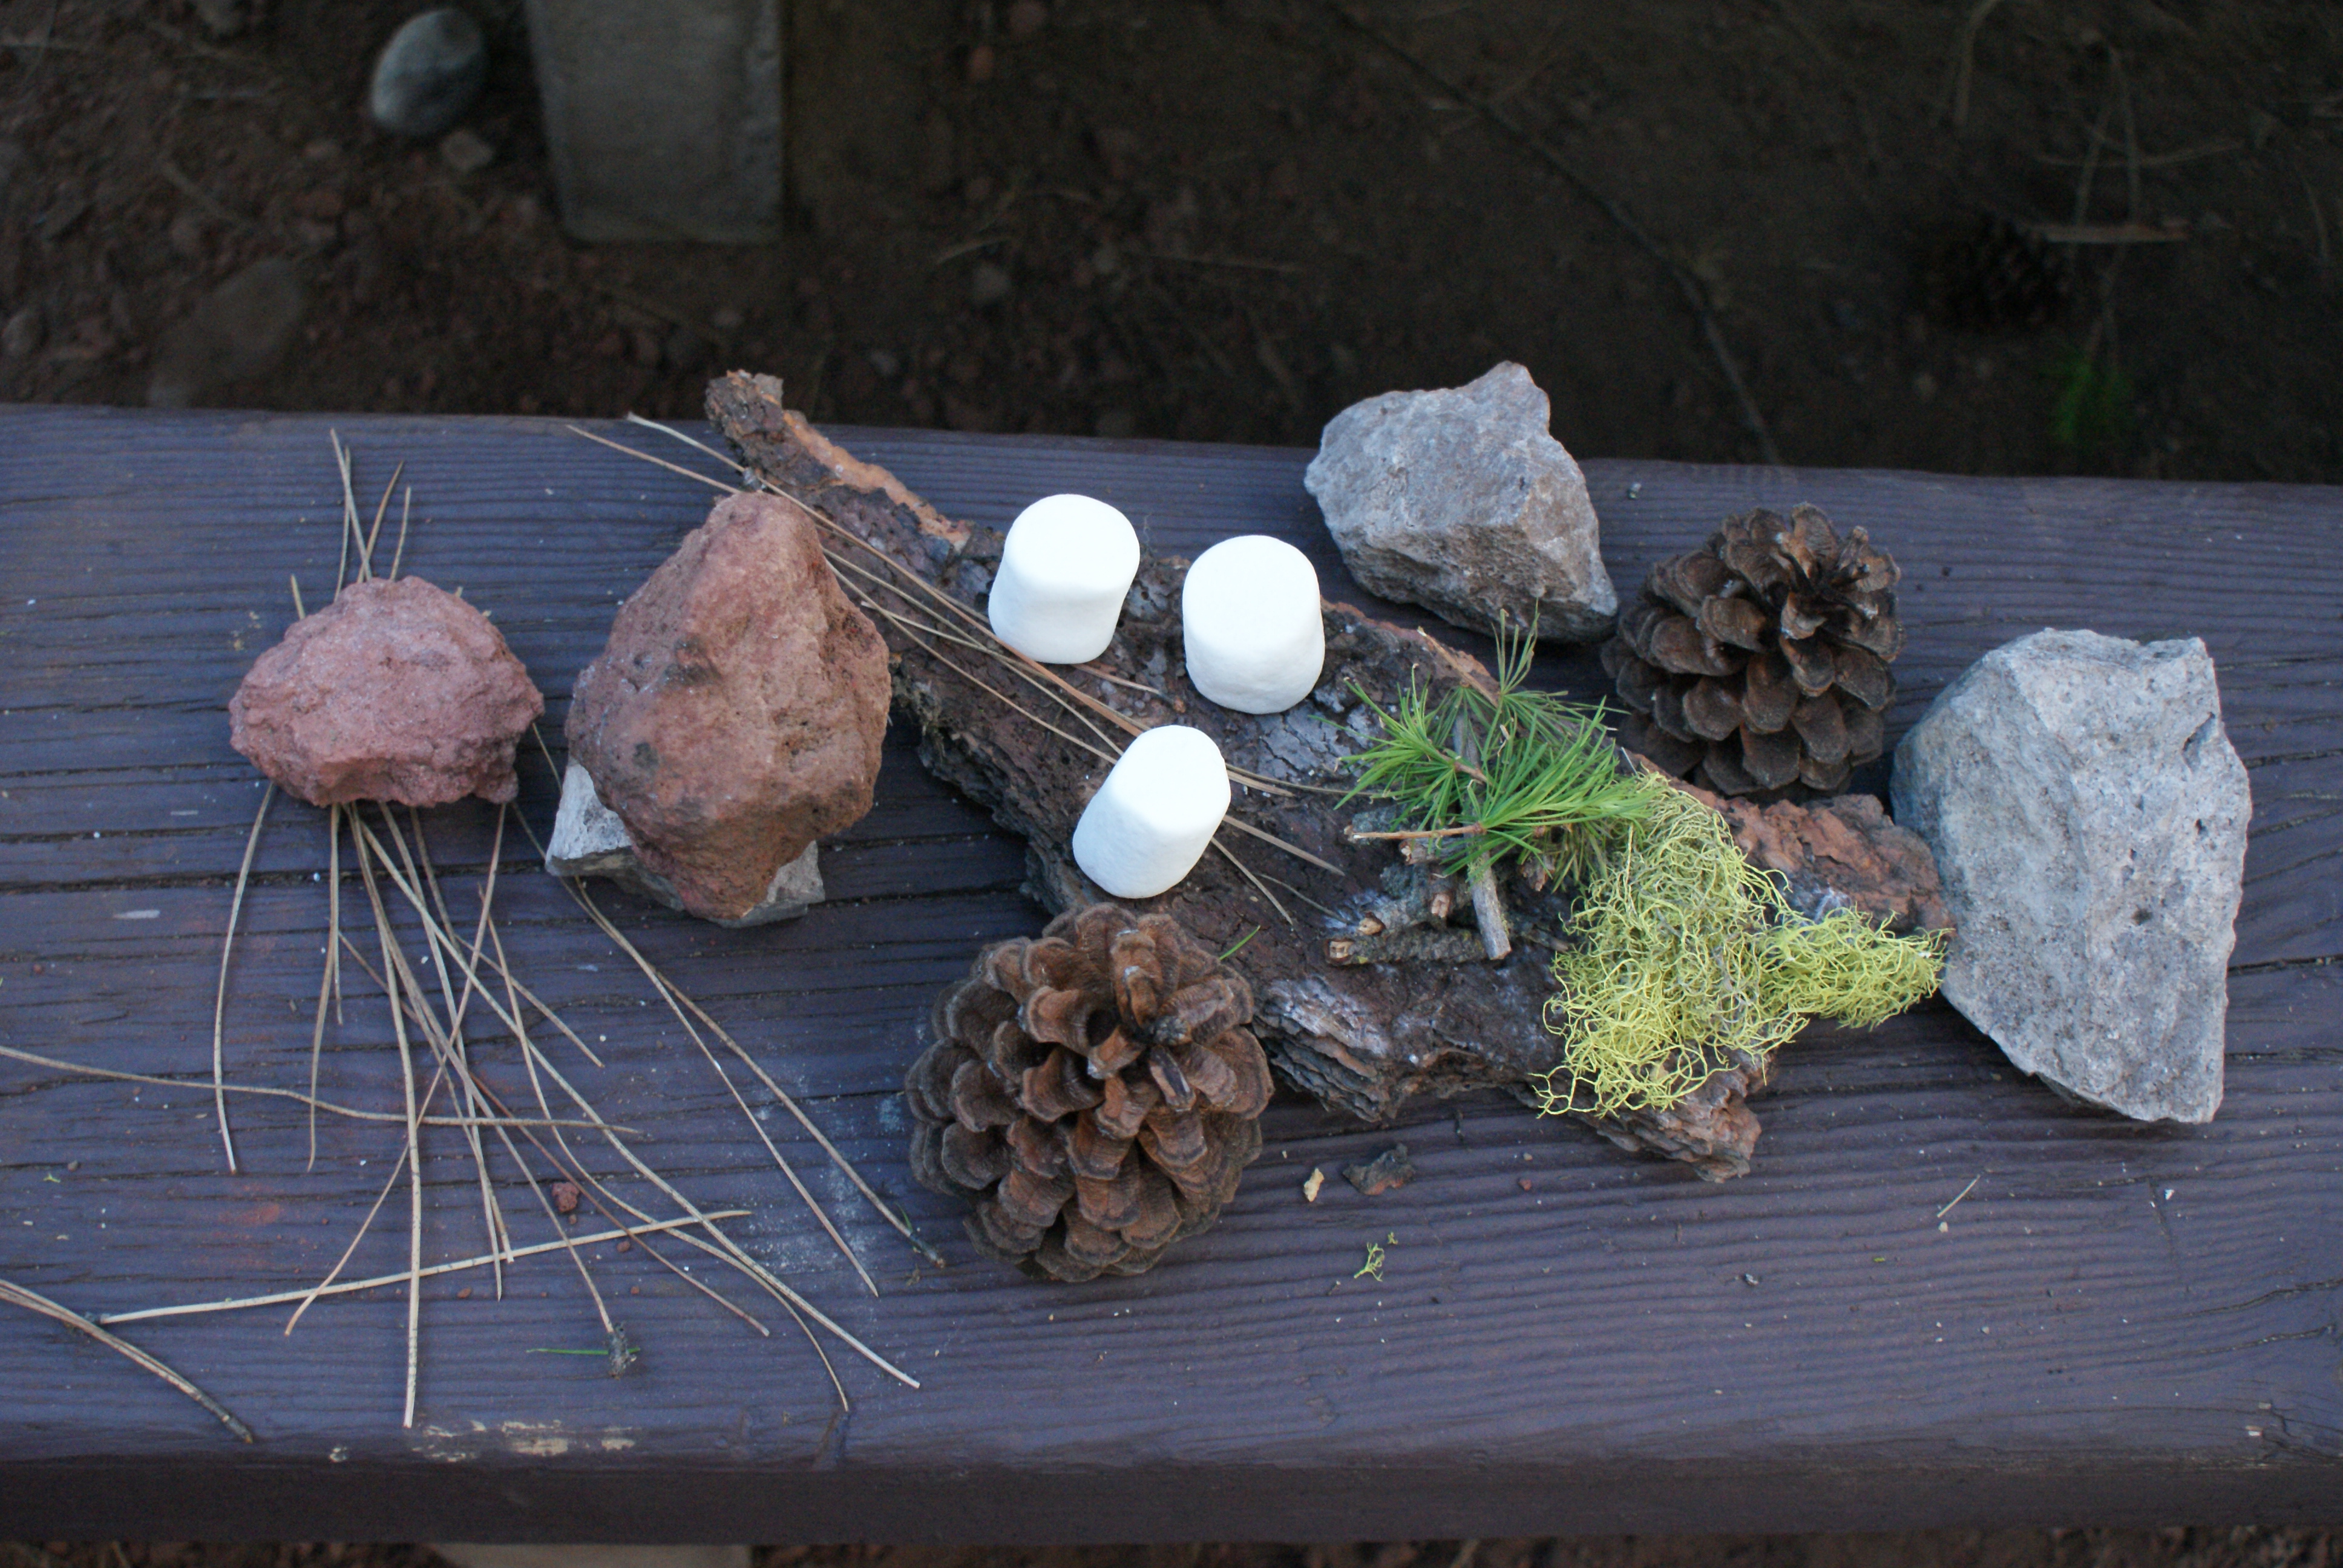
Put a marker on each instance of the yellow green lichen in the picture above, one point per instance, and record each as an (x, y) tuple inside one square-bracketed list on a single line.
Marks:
[(1688, 960)]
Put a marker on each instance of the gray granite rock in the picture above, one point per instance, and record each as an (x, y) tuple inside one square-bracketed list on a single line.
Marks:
[(2088, 816), (589, 841), (430, 74), (1462, 500)]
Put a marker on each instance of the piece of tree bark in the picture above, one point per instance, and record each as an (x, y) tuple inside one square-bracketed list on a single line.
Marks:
[(1362, 1036)]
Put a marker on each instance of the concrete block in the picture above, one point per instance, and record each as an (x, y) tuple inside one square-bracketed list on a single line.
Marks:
[(663, 117)]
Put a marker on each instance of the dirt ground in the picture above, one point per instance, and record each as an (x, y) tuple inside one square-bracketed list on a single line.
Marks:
[(2243, 1548), (1225, 220)]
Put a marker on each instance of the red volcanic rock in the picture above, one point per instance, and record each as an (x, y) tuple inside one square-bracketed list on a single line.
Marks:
[(738, 712), (398, 691)]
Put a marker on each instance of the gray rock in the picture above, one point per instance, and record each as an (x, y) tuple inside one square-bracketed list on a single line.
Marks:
[(21, 336), (464, 151), (1462, 500), (2088, 816), (987, 283), (224, 18), (589, 841), (238, 330), (430, 74)]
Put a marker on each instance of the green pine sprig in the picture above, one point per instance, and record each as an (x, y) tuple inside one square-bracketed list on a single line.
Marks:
[(1481, 776)]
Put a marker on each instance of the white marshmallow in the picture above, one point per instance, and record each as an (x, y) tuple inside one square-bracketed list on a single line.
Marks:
[(1148, 825), (1248, 618), (1067, 564)]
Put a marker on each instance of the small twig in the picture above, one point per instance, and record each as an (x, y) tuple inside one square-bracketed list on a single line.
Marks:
[(1243, 263), (668, 994), (394, 972), (1489, 910), (2091, 163), (1796, 22), (31, 1058), (333, 951), (2154, 160), (1547, 52), (219, 1000), (349, 511), (380, 509), (1961, 1195), (34, 1301), (1360, 835), (382, 1282), (953, 253), (389, 1184), (650, 307), (1954, 104), (1259, 886), (2318, 221), (2109, 232), (405, 503), (200, 197)]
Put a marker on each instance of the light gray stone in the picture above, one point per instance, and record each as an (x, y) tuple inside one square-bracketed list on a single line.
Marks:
[(2088, 816), (430, 74), (589, 841), (238, 331), (1462, 500)]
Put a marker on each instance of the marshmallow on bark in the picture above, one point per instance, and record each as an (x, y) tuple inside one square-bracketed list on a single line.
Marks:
[(1148, 825), (1064, 569), (1250, 621)]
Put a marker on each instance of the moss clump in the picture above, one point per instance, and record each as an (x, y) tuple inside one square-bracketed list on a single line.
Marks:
[(1688, 960)]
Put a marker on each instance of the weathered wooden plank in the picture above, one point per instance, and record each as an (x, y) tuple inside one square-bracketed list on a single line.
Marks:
[(2117, 1323)]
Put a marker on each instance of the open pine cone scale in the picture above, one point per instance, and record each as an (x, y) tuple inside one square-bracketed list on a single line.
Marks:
[(1759, 662), (1093, 1092)]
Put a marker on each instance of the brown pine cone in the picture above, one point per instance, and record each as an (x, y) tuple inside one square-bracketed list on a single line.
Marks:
[(1759, 662), (1092, 1092)]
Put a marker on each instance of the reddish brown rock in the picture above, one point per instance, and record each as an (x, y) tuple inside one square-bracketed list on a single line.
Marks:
[(398, 691), (1846, 847), (736, 714)]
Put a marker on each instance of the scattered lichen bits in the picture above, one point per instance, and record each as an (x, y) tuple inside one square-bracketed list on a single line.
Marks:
[(1758, 663), (1093, 1093)]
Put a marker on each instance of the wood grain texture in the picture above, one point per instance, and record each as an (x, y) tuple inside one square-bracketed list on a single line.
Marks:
[(2117, 1323)]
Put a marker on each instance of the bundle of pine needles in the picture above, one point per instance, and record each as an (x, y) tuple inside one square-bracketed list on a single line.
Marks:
[(453, 995), (1478, 776), (1689, 960)]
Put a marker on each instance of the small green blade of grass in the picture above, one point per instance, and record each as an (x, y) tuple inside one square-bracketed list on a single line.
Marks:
[(2093, 411)]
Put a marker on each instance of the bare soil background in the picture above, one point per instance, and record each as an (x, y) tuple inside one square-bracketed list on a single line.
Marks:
[(1225, 220)]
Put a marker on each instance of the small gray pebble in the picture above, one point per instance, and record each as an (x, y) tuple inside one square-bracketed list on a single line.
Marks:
[(21, 336), (988, 285), (428, 75), (238, 330), (463, 151)]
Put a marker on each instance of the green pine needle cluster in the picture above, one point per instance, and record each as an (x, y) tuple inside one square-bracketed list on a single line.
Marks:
[(1688, 960), (1518, 772)]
